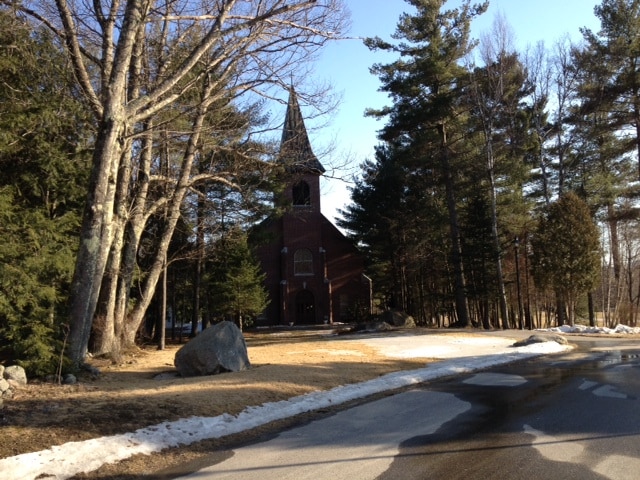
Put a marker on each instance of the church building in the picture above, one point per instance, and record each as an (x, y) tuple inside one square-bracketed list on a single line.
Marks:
[(314, 274)]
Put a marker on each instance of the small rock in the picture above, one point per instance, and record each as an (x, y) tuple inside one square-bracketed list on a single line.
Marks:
[(69, 379)]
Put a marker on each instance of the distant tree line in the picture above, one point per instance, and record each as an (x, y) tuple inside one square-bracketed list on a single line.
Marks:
[(504, 190)]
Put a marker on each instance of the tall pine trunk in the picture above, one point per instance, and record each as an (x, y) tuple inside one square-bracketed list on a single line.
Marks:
[(459, 285), (496, 237)]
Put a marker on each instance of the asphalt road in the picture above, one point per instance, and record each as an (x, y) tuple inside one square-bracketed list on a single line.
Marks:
[(571, 416)]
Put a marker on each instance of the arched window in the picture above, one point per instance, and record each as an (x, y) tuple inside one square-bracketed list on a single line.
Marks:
[(303, 262), (301, 194)]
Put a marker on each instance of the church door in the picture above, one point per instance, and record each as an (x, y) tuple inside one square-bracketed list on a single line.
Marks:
[(305, 307)]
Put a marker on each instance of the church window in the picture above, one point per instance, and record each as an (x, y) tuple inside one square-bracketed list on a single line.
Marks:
[(301, 194), (303, 262)]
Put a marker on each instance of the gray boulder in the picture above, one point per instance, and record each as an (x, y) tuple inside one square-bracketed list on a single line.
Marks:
[(536, 338), (16, 373), (217, 349), (372, 327), (5, 389), (398, 318)]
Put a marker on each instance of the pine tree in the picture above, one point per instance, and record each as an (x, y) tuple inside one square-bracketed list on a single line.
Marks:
[(566, 251), (497, 93), (400, 225), (44, 165), (610, 83), (376, 218), (426, 84), (606, 123), (235, 280)]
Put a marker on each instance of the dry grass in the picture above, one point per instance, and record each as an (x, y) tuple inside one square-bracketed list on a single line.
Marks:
[(127, 396)]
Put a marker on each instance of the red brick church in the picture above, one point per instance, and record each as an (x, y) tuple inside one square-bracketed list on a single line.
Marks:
[(314, 274)]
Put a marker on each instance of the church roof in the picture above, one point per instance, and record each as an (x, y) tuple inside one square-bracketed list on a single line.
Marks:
[(295, 147)]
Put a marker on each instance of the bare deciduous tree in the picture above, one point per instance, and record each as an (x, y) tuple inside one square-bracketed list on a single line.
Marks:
[(141, 64)]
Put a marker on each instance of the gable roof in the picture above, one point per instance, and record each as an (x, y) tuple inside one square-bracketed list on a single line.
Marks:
[(295, 147)]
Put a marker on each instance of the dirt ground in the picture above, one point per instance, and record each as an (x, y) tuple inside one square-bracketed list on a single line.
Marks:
[(127, 396)]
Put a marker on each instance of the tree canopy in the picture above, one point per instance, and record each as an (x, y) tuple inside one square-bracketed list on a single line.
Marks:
[(478, 140)]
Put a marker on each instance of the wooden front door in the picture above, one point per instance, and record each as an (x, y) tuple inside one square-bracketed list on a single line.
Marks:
[(305, 307)]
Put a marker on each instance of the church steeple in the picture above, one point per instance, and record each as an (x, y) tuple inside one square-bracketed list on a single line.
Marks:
[(295, 147)]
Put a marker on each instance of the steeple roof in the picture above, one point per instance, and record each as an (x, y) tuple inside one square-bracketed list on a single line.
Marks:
[(295, 147)]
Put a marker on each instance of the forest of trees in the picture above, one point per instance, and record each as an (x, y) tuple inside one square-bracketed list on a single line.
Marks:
[(136, 152), (503, 192)]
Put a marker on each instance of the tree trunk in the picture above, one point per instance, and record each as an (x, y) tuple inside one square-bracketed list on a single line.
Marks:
[(614, 241), (592, 312), (107, 333), (134, 229), (498, 247), (161, 324), (97, 231), (561, 310), (176, 197), (454, 232), (197, 271), (103, 331), (96, 237)]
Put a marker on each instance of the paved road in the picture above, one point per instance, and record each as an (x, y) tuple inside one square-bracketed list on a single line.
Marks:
[(572, 416)]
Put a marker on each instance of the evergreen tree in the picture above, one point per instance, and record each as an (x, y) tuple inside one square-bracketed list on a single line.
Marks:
[(376, 219), (44, 160), (497, 96), (606, 124), (566, 251), (404, 249), (426, 85), (611, 81), (236, 281), (480, 255)]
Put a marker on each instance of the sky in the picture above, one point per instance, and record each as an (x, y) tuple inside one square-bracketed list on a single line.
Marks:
[(345, 64), (64, 461)]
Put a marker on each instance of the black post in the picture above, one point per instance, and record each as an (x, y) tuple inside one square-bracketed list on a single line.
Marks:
[(516, 244)]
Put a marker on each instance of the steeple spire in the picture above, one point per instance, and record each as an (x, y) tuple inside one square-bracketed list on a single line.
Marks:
[(295, 147)]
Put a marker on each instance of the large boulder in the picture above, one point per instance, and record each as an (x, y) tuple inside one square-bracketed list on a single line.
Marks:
[(372, 327), (217, 349), (398, 318), (16, 374)]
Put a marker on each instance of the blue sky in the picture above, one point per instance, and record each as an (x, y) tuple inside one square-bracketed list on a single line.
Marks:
[(345, 64)]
